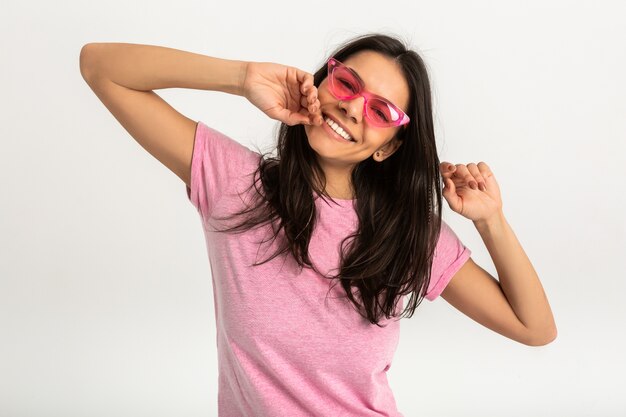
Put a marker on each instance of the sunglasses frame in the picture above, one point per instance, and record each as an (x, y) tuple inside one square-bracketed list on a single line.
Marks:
[(333, 64)]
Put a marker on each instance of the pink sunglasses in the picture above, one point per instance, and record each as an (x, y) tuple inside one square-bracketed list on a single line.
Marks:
[(345, 84)]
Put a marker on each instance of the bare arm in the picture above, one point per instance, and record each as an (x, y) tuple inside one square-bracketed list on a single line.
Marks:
[(518, 278), (123, 75), (516, 306), (150, 67)]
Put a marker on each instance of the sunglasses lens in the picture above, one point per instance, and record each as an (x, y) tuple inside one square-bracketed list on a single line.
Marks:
[(382, 112), (344, 84)]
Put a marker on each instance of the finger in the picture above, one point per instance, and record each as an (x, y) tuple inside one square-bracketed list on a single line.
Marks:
[(478, 177), (307, 88), (487, 174), (312, 117), (485, 171), (297, 119), (305, 79), (304, 88), (312, 108), (447, 169), (318, 119), (463, 174), (314, 105), (449, 193), (315, 111), (312, 94)]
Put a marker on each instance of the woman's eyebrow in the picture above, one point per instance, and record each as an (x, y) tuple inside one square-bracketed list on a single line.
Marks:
[(357, 75)]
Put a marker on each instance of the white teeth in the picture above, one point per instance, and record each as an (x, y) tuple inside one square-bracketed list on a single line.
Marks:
[(337, 128)]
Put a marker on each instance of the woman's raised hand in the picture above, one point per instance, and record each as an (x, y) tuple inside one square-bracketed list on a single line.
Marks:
[(471, 190), (284, 93)]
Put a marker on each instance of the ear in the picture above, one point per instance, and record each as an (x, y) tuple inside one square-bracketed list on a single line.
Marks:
[(387, 149)]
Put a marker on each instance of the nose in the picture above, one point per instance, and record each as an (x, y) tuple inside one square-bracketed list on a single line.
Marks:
[(353, 108)]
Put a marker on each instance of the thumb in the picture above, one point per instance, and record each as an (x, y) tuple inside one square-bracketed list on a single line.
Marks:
[(291, 118), (449, 193)]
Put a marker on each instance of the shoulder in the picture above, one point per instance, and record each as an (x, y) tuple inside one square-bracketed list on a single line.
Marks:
[(450, 255), (219, 141)]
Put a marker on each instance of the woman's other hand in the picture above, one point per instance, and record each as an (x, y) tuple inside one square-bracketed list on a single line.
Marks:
[(284, 93), (471, 190)]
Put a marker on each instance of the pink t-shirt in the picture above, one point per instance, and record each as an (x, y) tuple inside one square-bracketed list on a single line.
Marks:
[(284, 348)]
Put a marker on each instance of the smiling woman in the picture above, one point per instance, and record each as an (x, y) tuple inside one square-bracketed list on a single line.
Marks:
[(371, 120), (352, 197)]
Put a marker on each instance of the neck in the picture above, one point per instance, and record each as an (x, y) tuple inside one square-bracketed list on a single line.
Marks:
[(338, 181)]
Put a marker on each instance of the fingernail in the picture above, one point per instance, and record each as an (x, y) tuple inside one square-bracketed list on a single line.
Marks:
[(482, 187), (473, 185)]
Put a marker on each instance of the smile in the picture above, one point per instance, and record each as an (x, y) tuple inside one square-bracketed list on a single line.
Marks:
[(336, 131)]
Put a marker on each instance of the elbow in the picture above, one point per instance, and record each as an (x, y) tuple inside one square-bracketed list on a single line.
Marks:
[(85, 60), (542, 339)]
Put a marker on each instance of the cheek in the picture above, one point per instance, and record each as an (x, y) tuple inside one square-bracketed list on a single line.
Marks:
[(324, 94), (374, 139)]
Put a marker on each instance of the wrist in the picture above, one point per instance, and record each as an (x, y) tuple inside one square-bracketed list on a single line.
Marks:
[(492, 222), (243, 72)]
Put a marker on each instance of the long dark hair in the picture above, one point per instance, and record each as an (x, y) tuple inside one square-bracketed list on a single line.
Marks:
[(398, 200)]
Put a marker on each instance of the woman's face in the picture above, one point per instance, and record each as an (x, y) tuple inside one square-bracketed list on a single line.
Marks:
[(382, 76)]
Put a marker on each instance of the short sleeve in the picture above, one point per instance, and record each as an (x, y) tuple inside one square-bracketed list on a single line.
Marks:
[(217, 163), (450, 254)]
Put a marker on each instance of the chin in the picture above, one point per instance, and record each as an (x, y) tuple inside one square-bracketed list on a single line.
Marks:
[(318, 141)]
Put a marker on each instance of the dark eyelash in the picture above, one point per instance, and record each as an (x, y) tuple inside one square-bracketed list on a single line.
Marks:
[(347, 84), (382, 114)]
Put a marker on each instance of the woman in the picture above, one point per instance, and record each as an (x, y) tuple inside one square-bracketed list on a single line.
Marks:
[(352, 197)]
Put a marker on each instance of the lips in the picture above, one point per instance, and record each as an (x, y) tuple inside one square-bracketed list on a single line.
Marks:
[(334, 119), (336, 136)]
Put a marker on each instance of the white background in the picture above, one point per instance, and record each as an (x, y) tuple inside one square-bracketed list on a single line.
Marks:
[(106, 304)]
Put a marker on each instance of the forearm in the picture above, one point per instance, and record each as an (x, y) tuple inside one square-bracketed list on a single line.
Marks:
[(149, 67), (517, 277)]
